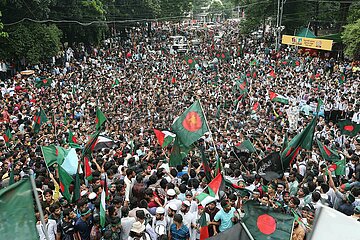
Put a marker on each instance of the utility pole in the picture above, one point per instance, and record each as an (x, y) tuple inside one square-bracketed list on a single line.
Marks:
[(277, 25)]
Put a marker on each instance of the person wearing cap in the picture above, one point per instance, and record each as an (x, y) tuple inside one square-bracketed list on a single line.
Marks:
[(137, 232), (346, 207), (172, 199), (84, 224), (140, 217), (189, 219), (178, 231), (159, 220), (172, 210), (193, 204)]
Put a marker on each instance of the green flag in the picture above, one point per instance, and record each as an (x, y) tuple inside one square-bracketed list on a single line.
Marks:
[(247, 145), (327, 153), (338, 167), (264, 223), (65, 181), (44, 82), (319, 104), (190, 62), (17, 216), (72, 140), (100, 119), (191, 125), (342, 78), (39, 119), (205, 165), (178, 153), (7, 137), (116, 83), (302, 140), (52, 154), (76, 195), (218, 166), (348, 128)]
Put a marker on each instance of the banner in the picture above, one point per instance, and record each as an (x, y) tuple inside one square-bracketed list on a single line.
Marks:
[(322, 44)]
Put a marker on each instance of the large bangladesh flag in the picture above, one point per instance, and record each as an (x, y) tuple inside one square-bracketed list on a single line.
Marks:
[(44, 82), (39, 119), (17, 214), (327, 153), (191, 125), (302, 140), (348, 128), (264, 223)]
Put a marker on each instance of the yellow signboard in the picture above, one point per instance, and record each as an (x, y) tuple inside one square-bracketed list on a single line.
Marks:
[(322, 44)]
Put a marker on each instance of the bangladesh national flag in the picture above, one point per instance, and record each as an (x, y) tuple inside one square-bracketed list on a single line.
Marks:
[(191, 125), (39, 119), (65, 181), (264, 223), (52, 154), (253, 62), (178, 152), (102, 208), (272, 74), (278, 98), (7, 137), (302, 140), (91, 143), (44, 82), (348, 128), (76, 195), (327, 153), (17, 214), (164, 137), (204, 231), (255, 107), (218, 166), (100, 119), (72, 140), (338, 167), (190, 62), (87, 168), (205, 165), (116, 83), (342, 78), (247, 146)]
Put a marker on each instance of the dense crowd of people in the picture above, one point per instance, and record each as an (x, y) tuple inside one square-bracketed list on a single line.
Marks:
[(140, 83)]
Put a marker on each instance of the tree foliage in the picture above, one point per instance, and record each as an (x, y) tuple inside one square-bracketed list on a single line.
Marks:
[(34, 41), (351, 39), (2, 34)]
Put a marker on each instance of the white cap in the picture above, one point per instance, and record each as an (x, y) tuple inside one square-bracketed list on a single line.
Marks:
[(160, 210), (83, 193), (171, 192), (186, 203), (173, 206), (92, 196)]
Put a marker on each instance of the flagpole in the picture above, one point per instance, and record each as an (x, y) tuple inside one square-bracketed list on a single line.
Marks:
[(38, 202), (232, 150), (246, 230), (207, 124)]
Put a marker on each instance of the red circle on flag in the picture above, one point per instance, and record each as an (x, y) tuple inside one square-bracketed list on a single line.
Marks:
[(192, 122), (190, 61), (222, 55), (45, 81), (266, 224), (349, 128)]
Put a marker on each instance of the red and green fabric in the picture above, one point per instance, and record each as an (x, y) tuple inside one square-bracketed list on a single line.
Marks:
[(103, 208), (91, 143), (173, 80), (218, 166), (116, 83), (72, 140), (342, 78), (164, 137), (247, 145), (100, 119), (204, 231), (302, 140), (253, 62), (215, 185), (44, 82), (348, 128), (319, 104), (205, 165), (7, 137), (327, 153), (39, 119), (65, 181), (274, 97), (178, 152), (76, 194), (338, 167), (87, 168), (264, 223), (53, 154), (190, 62), (191, 125), (272, 74), (239, 189)]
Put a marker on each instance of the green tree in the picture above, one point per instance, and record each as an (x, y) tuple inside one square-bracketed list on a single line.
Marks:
[(33, 41), (351, 39), (2, 34)]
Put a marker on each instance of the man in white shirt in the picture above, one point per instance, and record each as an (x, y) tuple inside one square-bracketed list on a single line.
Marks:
[(126, 222), (130, 174), (50, 227)]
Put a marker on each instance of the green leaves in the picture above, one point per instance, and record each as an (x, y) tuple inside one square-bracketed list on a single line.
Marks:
[(351, 39)]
